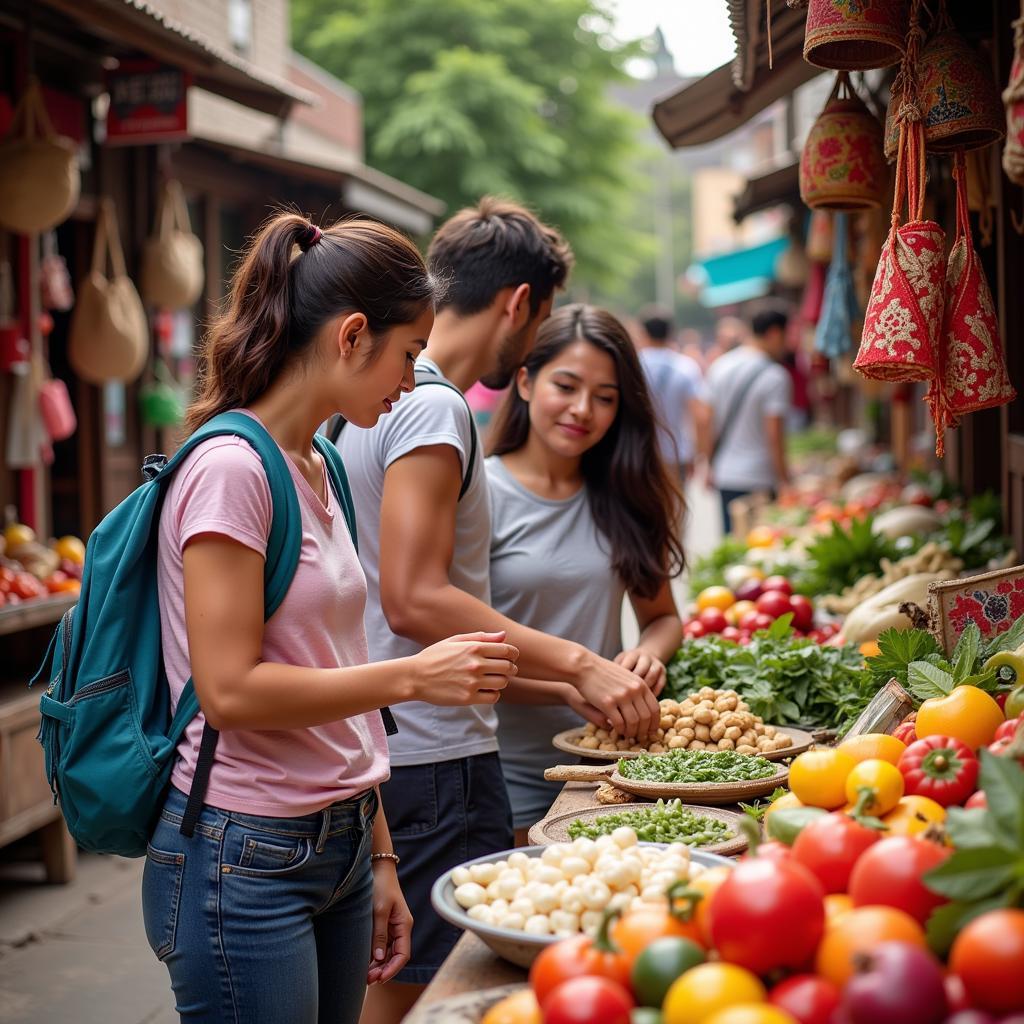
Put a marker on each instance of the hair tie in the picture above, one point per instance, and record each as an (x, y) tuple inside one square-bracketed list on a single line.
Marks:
[(311, 234)]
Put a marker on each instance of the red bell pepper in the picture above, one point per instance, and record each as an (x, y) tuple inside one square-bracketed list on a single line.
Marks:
[(941, 768), (1007, 730), (906, 732)]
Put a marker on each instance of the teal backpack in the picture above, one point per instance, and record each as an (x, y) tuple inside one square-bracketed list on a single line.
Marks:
[(107, 733)]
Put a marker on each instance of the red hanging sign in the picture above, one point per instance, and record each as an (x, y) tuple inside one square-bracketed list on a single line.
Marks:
[(148, 103)]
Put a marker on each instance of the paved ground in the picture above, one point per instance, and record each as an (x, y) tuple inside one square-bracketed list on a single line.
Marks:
[(77, 954)]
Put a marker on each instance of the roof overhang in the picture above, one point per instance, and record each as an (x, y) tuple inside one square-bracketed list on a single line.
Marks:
[(779, 186), (136, 24), (728, 97)]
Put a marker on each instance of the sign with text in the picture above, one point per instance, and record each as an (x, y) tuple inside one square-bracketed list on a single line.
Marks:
[(148, 103)]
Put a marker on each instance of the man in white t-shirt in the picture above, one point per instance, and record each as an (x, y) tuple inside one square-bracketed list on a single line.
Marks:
[(423, 515), (750, 395), (676, 384)]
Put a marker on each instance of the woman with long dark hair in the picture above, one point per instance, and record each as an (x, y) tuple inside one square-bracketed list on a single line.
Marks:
[(284, 902), (583, 513)]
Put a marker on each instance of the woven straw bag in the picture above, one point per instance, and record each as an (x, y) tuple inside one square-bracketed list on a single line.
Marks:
[(855, 36), (1013, 99), (903, 319), (973, 373), (172, 259), (109, 336), (39, 177)]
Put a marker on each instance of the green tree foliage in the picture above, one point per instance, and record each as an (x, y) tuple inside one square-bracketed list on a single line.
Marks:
[(509, 97)]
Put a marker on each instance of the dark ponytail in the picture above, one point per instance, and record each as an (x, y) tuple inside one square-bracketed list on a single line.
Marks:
[(636, 504), (291, 281)]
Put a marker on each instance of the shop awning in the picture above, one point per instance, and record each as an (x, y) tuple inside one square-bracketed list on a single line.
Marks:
[(779, 186), (737, 276), (730, 96), (136, 24)]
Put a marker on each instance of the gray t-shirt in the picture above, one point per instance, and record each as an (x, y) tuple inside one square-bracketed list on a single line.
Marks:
[(551, 570), (674, 381), (429, 415), (743, 461)]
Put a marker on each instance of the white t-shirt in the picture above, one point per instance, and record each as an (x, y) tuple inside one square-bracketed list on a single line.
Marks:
[(429, 415), (674, 381), (743, 461)]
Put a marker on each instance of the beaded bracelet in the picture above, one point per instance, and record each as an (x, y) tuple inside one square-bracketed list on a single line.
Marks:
[(386, 856)]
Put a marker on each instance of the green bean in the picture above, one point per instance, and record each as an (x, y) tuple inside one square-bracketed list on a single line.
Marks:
[(695, 766), (660, 823)]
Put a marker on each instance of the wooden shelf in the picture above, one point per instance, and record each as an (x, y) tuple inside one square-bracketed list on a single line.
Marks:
[(40, 612)]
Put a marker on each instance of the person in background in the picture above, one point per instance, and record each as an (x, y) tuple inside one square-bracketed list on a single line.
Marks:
[(583, 512), (730, 333), (423, 511), (750, 394), (676, 385)]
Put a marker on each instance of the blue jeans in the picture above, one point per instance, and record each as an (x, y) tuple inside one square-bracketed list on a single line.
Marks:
[(263, 919)]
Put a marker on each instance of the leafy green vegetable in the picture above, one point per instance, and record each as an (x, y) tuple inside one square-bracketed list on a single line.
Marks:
[(696, 766), (838, 559), (987, 869), (662, 822), (785, 680), (897, 649)]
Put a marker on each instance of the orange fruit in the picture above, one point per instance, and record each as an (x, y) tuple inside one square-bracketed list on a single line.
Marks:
[(71, 548), (707, 882), (883, 779), (859, 931), (818, 777), (736, 612), (870, 649), (715, 597), (913, 815), (836, 904), (761, 537), (967, 714), (878, 745)]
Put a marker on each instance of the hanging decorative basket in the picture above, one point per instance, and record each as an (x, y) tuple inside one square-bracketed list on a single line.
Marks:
[(1013, 99), (842, 166), (904, 313), (855, 35), (840, 308), (973, 367), (958, 97)]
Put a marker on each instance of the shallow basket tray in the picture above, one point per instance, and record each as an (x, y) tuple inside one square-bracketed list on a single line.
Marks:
[(518, 947), (702, 793), (568, 743), (556, 829), (467, 1008)]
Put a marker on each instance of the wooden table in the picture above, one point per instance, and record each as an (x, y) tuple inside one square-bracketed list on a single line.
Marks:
[(471, 964)]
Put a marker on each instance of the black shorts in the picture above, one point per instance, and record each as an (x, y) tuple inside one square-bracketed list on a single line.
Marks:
[(440, 815)]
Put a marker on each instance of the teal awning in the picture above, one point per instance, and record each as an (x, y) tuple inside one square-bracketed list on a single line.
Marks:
[(739, 275)]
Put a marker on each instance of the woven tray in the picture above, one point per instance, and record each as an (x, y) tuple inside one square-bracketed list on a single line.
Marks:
[(703, 793), (568, 742), (556, 829), (467, 1008)]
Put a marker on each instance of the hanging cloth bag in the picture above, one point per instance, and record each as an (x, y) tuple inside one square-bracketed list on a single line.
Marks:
[(54, 280), (109, 336), (974, 374), (1013, 100), (840, 309), (903, 320), (172, 259), (55, 406), (162, 400), (39, 177)]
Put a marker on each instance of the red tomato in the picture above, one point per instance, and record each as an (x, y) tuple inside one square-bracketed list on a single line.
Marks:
[(767, 914), (588, 1001), (829, 847), (772, 850), (803, 611), (808, 998), (1008, 728), (762, 621), (731, 633), (941, 768), (748, 621), (890, 875), (694, 630), (987, 955), (906, 732), (574, 958), (713, 620), (774, 603), (977, 799), (26, 586), (779, 583)]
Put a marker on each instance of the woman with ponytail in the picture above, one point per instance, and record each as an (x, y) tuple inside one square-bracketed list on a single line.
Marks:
[(583, 513), (284, 902)]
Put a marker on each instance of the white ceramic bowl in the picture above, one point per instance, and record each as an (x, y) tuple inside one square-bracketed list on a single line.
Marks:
[(515, 946)]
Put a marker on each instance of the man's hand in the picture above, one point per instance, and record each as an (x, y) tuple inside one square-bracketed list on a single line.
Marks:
[(644, 665)]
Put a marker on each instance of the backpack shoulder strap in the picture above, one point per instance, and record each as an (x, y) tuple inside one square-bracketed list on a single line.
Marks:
[(739, 396), (425, 375), (339, 482)]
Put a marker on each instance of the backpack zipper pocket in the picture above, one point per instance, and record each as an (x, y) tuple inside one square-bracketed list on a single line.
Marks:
[(101, 686)]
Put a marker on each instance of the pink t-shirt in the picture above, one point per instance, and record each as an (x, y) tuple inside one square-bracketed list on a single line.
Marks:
[(222, 488)]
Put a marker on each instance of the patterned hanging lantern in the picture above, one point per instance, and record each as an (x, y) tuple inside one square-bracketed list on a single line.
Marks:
[(973, 372), (1013, 98), (855, 35), (904, 313), (958, 97), (842, 166)]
